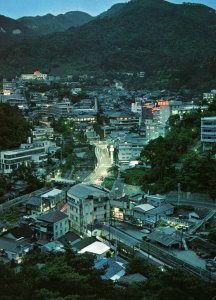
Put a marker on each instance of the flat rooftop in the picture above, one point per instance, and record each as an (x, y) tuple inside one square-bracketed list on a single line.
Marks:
[(52, 193), (84, 191)]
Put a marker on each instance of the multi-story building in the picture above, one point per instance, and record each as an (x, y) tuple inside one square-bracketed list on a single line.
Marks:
[(124, 120), (136, 107), (8, 87), (83, 118), (53, 225), (37, 75), (208, 132), (165, 113), (154, 130), (181, 108), (13, 158), (209, 96), (54, 199), (61, 110), (149, 215), (129, 151), (87, 205), (42, 133), (122, 208)]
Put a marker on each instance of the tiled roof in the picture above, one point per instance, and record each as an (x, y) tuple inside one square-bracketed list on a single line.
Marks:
[(53, 217)]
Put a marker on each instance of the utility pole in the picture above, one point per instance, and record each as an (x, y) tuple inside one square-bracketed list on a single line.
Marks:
[(179, 193), (116, 246)]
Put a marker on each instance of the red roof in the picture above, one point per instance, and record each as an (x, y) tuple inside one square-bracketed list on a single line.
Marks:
[(37, 72)]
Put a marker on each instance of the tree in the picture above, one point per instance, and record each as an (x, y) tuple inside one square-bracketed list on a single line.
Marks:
[(13, 127)]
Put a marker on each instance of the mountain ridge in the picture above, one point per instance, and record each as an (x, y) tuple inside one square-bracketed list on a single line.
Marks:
[(50, 23), (173, 44)]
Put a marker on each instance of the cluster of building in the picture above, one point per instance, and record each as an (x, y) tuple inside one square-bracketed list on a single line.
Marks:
[(128, 120)]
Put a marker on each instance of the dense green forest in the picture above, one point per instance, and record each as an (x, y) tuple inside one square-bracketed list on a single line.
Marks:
[(68, 276), (178, 158), (14, 129), (173, 44)]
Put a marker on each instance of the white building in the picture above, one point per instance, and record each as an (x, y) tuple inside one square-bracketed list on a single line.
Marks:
[(61, 110), (137, 107), (208, 132), (150, 215), (87, 205), (181, 108), (13, 158), (128, 151), (37, 75), (165, 113), (53, 225), (8, 87), (42, 133), (154, 130)]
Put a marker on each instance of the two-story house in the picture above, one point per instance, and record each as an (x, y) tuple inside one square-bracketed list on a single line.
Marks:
[(53, 225)]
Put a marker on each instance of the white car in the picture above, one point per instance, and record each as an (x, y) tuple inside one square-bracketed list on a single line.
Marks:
[(145, 231)]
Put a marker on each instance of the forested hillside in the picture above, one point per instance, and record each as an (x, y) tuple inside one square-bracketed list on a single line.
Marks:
[(173, 44)]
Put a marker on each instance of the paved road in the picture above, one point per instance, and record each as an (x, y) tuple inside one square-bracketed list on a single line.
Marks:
[(117, 189), (103, 164)]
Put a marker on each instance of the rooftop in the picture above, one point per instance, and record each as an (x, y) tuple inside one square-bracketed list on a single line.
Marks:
[(166, 236), (96, 248), (209, 118), (84, 243), (34, 201), (53, 217), (70, 237), (84, 191), (161, 209), (52, 193), (137, 277), (12, 245), (112, 267), (144, 207)]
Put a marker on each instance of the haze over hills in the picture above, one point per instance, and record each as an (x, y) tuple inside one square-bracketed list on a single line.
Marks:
[(174, 44), (49, 23)]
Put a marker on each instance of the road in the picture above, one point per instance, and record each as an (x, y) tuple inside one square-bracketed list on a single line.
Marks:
[(103, 164), (117, 189)]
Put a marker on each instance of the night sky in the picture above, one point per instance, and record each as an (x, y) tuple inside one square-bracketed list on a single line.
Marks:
[(19, 8)]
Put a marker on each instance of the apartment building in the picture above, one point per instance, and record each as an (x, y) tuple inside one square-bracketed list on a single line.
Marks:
[(87, 205), (13, 158), (208, 132), (61, 110), (129, 151), (42, 133)]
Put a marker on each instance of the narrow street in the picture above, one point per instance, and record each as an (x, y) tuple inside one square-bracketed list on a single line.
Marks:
[(103, 164)]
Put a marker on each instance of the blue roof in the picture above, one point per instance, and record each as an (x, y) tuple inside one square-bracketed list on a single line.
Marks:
[(112, 267)]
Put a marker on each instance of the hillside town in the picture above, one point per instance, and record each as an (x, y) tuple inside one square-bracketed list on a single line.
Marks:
[(86, 152)]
